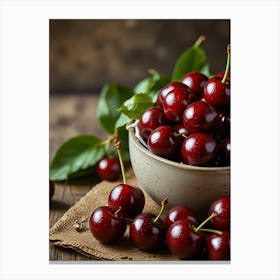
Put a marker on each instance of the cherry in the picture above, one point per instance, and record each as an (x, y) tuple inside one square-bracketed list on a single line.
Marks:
[(163, 142), (131, 199), (147, 230), (221, 74), (199, 149), (166, 89), (183, 240), (176, 101), (51, 189), (107, 225), (218, 246), (180, 132), (216, 91), (219, 212), (224, 152), (195, 81), (180, 212), (109, 169), (200, 116), (151, 119)]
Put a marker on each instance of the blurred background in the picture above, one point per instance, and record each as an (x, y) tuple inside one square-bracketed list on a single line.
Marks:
[(86, 54)]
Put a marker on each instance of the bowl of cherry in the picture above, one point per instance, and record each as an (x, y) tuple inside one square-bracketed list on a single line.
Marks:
[(180, 147)]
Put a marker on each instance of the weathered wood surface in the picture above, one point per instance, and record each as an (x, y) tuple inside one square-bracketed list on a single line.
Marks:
[(69, 115)]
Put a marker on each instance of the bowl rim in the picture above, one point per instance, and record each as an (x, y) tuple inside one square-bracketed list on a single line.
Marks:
[(135, 140)]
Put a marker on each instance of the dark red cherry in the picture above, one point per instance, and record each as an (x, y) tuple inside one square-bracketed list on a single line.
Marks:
[(151, 119), (171, 86), (183, 241), (179, 212), (220, 211), (163, 142), (221, 74), (217, 94), (146, 233), (224, 152), (109, 169), (51, 189), (176, 101), (218, 246), (199, 149), (200, 116), (195, 81), (107, 225), (131, 199)]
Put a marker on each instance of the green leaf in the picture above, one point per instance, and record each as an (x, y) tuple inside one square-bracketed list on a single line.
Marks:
[(78, 153), (135, 106), (193, 59), (151, 85), (111, 98), (122, 121)]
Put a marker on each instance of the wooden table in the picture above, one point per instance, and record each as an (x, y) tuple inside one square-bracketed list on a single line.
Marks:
[(69, 116)]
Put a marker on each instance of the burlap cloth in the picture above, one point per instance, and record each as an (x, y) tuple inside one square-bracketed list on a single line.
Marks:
[(72, 230)]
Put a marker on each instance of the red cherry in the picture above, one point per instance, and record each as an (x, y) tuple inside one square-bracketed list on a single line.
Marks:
[(183, 241), (171, 86), (221, 74), (106, 225), (200, 116), (51, 189), (195, 81), (199, 149), (218, 246), (179, 212), (163, 142), (146, 233), (176, 101), (220, 212), (131, 199), (151, 119), (217, 94), (224, 152), (109, 169)]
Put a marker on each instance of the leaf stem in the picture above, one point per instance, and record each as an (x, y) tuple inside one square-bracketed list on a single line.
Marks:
[(228, 65), (198, 42)]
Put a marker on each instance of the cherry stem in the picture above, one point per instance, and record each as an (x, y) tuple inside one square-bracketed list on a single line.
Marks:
[(198, 42), (118, 148), (211, 230), (228, 65), (163, 205), (205, 221), (177, 134), (119, 209)]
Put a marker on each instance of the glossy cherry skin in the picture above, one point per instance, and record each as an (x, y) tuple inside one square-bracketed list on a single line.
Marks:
[(179, 212), (218, 246), (151, 119), (51, 189), (195, 81), (162, 142), (131, 199), (199, 149), (221, 74), (221, 207), (224, 152), (183, 241), (176, 101), (200, 116), (166, 89), (106, 226), (180, 132), (109, 169), (146, 234), (217, 94)]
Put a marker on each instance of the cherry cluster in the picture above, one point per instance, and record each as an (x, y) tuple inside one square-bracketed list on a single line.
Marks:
[(179, 230), (191, 121)]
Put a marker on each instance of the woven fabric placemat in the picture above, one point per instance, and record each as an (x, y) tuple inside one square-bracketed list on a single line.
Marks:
[(64, 232)]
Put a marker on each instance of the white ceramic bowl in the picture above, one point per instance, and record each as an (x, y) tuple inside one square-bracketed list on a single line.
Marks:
[(195, 187)]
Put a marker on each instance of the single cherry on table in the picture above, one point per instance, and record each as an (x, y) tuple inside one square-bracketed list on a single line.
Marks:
[(218, 246)]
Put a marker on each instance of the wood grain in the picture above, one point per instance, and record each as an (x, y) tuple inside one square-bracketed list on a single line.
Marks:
[(69, 116)]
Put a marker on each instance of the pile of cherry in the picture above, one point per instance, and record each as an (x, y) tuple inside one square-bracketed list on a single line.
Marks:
[(179, 230), (191, 122)]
